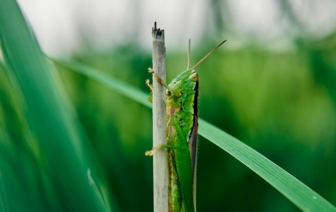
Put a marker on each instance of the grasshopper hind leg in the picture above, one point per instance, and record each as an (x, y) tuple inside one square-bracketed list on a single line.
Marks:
[(156, 148)]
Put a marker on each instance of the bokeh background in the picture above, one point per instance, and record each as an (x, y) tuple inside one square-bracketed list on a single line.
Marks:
[(272, 85)]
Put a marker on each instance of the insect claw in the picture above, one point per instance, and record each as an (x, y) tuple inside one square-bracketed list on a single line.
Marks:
[(149, 85), (151, 152), (150, 70)]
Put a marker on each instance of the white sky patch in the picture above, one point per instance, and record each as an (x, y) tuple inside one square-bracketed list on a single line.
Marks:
[(63, 26), (256, 18), (317, 16), (52, 23)]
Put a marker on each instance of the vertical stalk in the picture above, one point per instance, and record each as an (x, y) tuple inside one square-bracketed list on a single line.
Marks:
[(160, 163)]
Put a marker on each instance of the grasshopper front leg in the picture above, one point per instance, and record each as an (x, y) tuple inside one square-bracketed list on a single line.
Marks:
[(158, 78), (149, 85)]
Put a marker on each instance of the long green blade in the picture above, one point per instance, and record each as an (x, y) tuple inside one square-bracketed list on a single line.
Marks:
[(116, 84), (47, 170), (298, 193)]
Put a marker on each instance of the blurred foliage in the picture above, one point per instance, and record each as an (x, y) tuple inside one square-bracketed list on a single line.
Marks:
[(283, 104), (44, 163)]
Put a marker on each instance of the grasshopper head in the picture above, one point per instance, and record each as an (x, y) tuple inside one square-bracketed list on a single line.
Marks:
[(187, 81), (194, 76)]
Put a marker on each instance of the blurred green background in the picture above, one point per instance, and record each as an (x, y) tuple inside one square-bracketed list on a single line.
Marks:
[(279, 101)]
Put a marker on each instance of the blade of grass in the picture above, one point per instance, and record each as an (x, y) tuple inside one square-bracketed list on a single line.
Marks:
[(52, 121), (297, 192), (117, 85)]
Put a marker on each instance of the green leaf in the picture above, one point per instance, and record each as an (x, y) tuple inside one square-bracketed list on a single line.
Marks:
[(295, 191), (45, 168), (298, 193), (116, 84)]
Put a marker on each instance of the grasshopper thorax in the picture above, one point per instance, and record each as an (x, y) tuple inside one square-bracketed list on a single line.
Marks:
[(183, 82)]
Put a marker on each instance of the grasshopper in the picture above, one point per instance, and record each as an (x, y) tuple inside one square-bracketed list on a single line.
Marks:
[(182, 127)]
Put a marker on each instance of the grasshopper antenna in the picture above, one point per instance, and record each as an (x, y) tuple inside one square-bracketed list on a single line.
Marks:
[(207, 55), (189, 54)]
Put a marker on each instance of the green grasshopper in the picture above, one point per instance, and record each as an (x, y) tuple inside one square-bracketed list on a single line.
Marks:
[(182, 127)]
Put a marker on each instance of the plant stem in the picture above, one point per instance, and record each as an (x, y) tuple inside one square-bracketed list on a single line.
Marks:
[(160, 163)]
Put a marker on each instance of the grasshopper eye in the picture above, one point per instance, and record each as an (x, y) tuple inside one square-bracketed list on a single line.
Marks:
[(194, 77)]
